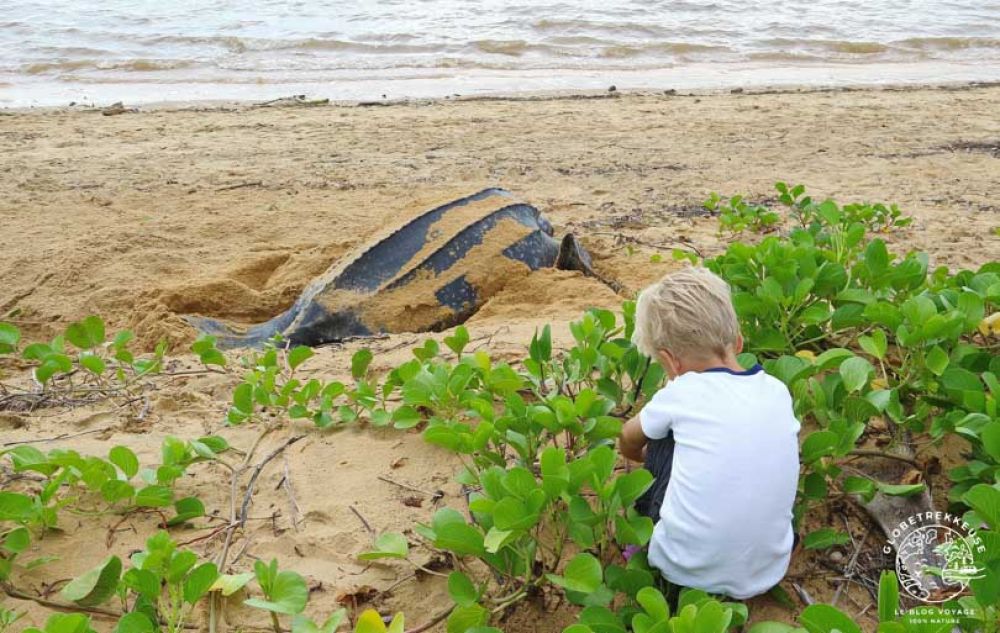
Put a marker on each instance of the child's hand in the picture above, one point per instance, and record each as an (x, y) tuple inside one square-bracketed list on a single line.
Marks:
[(632, 442)]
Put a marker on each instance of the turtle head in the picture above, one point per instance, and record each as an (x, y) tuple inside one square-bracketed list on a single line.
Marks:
[(572, 256)]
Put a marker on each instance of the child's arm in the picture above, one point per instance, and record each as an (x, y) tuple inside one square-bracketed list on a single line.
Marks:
[(632, 442)]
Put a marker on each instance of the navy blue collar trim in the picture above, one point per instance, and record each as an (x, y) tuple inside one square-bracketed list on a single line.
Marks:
[(746, 372)]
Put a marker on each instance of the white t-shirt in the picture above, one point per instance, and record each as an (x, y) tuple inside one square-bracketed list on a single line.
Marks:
[(726, 521)]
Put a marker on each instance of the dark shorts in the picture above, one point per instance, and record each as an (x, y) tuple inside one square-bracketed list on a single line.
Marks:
[(659, 461)]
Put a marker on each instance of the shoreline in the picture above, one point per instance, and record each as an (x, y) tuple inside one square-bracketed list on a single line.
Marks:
[(408, 85), (516, 96)]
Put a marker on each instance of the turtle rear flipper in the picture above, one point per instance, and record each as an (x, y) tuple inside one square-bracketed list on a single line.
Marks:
[(572, 256), (229, 337)]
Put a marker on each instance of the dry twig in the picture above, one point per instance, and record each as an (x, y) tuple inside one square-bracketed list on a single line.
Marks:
[(363, 520), (64, 436), (256, 473), (241, 185), (72, 608), (863, 452), (803, 594), (849, 570), (407, 486), (286, 483), (433, 621)]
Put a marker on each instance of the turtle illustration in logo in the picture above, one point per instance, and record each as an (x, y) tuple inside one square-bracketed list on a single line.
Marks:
[(935, 563)]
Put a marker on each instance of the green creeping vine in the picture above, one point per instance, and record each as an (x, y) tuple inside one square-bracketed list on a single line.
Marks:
[(860, 334), (285, 592), (95, 486), (874, 218), (8, 618), (83, 365), (164, 584), (822, 618), (856, 332), (270, 388), (696, 613), (368, 622), (736, 215)]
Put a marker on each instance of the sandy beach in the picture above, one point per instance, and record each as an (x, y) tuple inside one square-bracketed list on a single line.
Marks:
[(147, 216)]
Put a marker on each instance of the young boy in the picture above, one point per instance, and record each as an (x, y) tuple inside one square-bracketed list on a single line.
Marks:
[(724, 438)]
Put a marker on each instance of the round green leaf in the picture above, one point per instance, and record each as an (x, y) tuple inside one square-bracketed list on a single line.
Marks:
[(370, 622), (985, 500), (289, 595), (388, 545), (460, 538), (199, 582), (405, 417), (68, 623), (243, 398), (125, 460), (819, 444), (180, 565), (653, 603), (95, 586), (86, 334), (15, 507), (822, 618), (359, 363), (187, 509), (824, 538), (855, 372), (212, 357), (17, 540), (115, 490), (93, 364), (464, 618), (135, 622), (582, 574), (9, 336), (229, 585), (936, 360), (154, 497), (631, 486), (298, 355), (860, 486), (990, 437), (899, 490), (461, 589), (143, 582)]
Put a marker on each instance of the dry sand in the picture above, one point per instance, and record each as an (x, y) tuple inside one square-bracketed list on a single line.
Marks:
[(145, 216)]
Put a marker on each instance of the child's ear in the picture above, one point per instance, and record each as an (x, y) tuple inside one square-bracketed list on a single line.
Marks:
[(738, 347), (668, 362)]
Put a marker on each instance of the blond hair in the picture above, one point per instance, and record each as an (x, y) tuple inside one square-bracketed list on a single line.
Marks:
[(689, 312)]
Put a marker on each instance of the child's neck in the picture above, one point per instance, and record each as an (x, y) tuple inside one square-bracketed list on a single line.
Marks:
[(701, 364)]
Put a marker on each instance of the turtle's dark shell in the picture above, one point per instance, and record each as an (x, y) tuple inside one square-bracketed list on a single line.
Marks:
[(432, 272)]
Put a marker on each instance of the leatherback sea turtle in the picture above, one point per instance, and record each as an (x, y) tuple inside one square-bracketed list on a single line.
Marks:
[(430, 273)]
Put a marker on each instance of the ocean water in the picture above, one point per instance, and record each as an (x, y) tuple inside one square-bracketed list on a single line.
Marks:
[(56, 51)]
